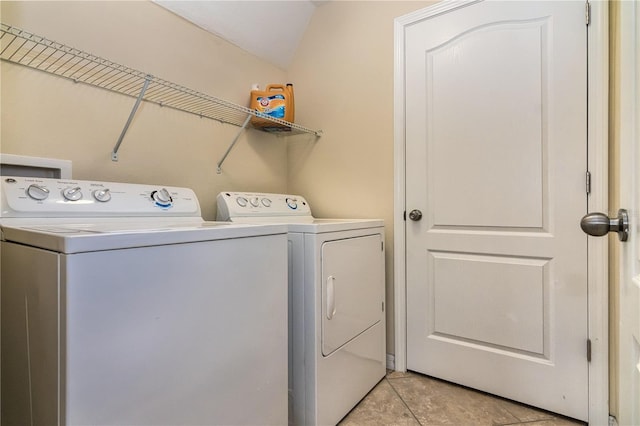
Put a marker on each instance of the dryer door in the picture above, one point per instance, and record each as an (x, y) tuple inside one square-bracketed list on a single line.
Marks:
[(352, 288)]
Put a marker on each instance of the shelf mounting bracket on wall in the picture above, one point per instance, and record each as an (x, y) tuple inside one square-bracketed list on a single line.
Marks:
[(224, 157), (114, 153)]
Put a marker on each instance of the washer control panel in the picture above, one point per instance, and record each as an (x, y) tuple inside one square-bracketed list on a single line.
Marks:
[(249, 204), (42, 197)]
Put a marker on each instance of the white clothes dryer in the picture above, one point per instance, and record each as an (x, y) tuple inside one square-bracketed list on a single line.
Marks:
[(120, 305), (336, 303)]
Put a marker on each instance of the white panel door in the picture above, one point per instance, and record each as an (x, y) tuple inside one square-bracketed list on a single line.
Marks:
[(629, 108), (496, 156)]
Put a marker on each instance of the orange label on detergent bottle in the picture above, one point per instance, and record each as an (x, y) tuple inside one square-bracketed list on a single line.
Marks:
[(274, 106), (277, 102)]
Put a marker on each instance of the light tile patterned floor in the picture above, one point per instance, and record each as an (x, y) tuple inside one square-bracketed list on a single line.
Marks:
[(414, 399)]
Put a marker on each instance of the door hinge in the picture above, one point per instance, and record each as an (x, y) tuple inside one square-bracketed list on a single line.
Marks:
[(588, 182), (587, 13), (404, 215), (382, 306), (381, 245), (588, 350)]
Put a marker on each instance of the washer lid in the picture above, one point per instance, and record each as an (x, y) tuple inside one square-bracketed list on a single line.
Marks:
[(84, 237)]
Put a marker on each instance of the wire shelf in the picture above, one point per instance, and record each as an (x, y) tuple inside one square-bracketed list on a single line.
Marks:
[(33, 51)]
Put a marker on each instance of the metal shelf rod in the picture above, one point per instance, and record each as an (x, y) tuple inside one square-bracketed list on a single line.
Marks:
[(114, 153), (233, 143)]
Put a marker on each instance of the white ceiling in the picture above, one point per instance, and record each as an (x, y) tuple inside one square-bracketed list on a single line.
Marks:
[(268, 29)]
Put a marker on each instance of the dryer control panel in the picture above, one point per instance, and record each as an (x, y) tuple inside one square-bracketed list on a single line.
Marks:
[(234, 205), (41, 197)]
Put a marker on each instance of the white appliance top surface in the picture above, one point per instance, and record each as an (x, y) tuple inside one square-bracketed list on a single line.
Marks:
[(313, 225), (292, 210), (77, 216), (84, 237)]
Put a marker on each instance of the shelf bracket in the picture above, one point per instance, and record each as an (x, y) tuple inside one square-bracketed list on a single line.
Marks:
[(224, 157), (114, 153)]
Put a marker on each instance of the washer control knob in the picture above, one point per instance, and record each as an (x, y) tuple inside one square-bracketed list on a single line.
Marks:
[(292, 203), (37, 192), (242, 202), (72, 193), (266, 202), (255, 201), (102, 195), (162, 198)]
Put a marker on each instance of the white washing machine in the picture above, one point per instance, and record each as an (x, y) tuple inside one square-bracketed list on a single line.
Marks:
[(336, 303), (121, 306)]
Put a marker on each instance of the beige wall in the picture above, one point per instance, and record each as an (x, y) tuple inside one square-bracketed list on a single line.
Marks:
[(47, 116), (343, 74)]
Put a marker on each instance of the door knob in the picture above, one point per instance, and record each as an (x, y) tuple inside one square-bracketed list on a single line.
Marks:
[(598, 224), (415, 215)]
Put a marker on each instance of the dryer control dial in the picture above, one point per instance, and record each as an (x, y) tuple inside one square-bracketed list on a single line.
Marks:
[(162, 198), (72, 193), (37, 192), (242, 202), (102, 195), (266, 202), (255, 201)]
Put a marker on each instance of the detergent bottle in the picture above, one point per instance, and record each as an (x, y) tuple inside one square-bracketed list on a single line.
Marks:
[(275, 101)]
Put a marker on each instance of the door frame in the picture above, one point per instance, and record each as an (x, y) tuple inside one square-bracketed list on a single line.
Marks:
[(627, 105), (597, 163)]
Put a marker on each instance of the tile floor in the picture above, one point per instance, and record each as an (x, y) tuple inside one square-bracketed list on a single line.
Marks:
[(414, 399)]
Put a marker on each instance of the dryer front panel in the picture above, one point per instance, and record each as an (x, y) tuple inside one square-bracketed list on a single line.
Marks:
[(352, 288)]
